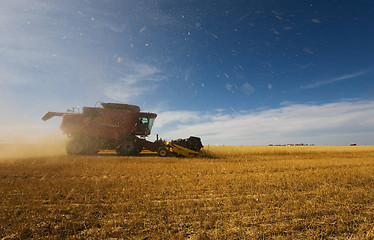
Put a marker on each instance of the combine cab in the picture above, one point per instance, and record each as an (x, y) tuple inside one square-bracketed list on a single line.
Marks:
[(119, 127)]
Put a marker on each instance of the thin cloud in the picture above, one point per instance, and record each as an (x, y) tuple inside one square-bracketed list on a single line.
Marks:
[(334, 80), (140, 79), (38, 47), (247, 89), (175, 118), (308, 50), (318, 124), (316, 20)]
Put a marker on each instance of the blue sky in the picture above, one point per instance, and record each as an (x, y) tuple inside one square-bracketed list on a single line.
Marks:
[(232, 72)]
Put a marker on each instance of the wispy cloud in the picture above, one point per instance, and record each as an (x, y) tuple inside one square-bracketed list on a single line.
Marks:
[(63, 49), (336, 79), (316, 20), (334, 123), (140, 79), (175, 118), (247, 89)]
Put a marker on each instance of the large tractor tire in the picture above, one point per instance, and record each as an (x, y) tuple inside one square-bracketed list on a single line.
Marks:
[(163, 152), (81, 145), (128, 145)]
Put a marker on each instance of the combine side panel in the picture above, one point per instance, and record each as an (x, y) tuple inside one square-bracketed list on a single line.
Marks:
[(101, 123)]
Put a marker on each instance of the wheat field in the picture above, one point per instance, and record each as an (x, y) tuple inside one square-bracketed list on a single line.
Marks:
[(259, 192)]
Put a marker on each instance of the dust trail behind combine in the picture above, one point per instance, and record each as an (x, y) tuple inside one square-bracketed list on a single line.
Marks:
[(50, 145)]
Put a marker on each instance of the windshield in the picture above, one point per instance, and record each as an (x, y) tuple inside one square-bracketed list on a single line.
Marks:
[(150, 123), (145, 124)]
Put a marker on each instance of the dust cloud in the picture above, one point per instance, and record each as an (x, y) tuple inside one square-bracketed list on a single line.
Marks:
[(46, 146)]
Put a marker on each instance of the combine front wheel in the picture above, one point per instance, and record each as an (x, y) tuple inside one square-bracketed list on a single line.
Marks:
[(162, 152)]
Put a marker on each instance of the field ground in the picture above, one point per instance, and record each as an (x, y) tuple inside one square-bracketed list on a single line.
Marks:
[(309, 192)]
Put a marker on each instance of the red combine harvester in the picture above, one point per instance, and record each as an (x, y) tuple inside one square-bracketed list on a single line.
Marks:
[(120, 127)]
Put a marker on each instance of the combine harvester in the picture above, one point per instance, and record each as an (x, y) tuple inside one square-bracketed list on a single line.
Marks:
[(120, 127)]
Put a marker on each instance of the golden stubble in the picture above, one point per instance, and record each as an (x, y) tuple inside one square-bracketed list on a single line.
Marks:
[(309, 192)]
